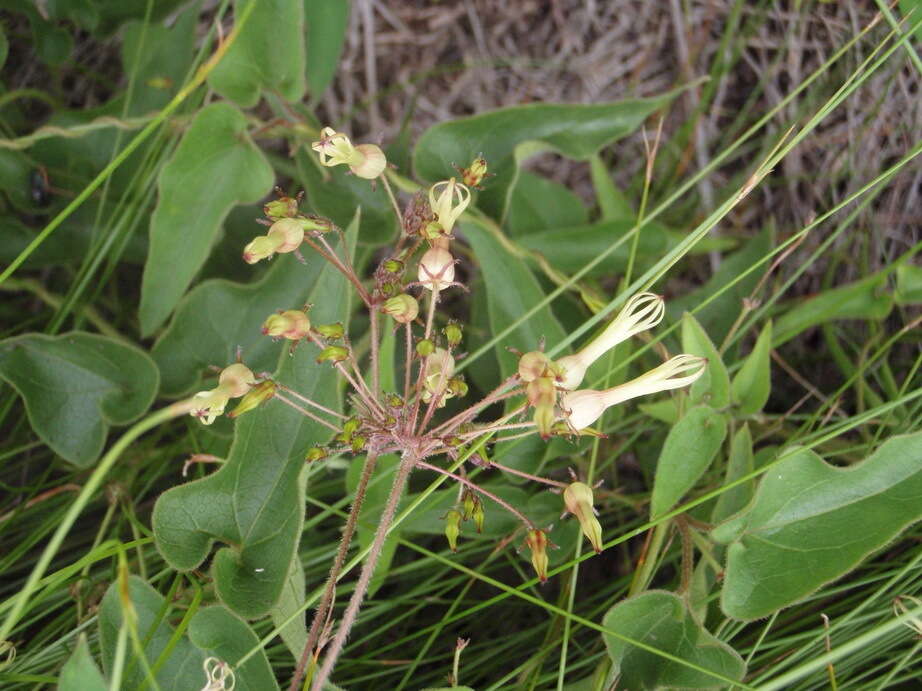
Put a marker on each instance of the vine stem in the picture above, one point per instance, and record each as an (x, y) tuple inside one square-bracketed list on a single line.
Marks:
[(477, 488), (83, 498), (368, 568), (326, 600)]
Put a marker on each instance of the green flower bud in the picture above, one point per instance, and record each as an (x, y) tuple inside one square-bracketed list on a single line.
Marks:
[(453, 333), (331, 332), (578, 499), (403, 308), (394, 401), (537, 542), (333, 354), (478, 515), (258, 395), (358, 443), (393, 266), (425, 347), (283, 207), (474, 174), (468, 501), (453, 528), (315, 453)]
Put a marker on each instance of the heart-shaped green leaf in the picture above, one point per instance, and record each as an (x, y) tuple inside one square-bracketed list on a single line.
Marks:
[(268, 54), (178, 664), (574, 130), (811, 523), (219, 316), (215, 166), (75, 386), (691, 445), (538, 203), (254, 503), (661, 620)]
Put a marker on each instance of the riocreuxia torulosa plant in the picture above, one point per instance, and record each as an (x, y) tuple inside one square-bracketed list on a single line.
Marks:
[(542, 398)]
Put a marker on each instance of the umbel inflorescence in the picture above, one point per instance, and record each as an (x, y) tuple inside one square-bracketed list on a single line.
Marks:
[(543, 397)]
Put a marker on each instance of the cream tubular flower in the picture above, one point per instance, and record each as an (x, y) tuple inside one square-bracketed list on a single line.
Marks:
[(586, 406), (233, 382), (448, 200), (335, 148), (642, 312)]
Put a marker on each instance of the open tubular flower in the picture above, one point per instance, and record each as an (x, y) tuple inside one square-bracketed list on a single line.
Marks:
[(578, 499), (642, 312), (537, 542), (586, 406), (285, 235), (440, 366), (448, 200), (233, 382), (436, 269), (365, 160)]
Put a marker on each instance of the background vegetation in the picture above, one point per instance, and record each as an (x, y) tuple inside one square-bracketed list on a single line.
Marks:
[(140, 141)]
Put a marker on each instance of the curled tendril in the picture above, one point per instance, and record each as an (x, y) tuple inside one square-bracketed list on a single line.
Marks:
[(219, 675)]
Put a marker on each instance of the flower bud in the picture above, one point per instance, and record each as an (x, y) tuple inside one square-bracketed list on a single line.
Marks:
[(544, 418), (440, 365), (290, 231), (537, 542), (453, 333), (448, 200), (457, 386), (333, 354), (474, 174), (394, 401), (315, 453), (578, 499), (403, 308), (331, 332), (532, 365), (393, 266), (261, 247), (290, 324), (453, 528), (468, 501), (642, 312), (358, 443), (478, 515), (283, 207), (586, 406), (425, 347), (436, 269), (541, 392), (258, 395)]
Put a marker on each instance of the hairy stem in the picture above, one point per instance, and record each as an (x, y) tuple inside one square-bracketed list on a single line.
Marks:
[(368, 569), (326, 600)]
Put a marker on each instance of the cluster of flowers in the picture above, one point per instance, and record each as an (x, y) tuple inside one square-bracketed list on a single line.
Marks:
[(386, 421)]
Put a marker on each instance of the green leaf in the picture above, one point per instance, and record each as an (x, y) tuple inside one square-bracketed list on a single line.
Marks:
[(182, 667), (214, 167), (908, 284), (326, 32), (255, 503), (218, 316), (512, 290), (220, 634), (294, 634), (713, 387), (75, 386), (688, 451), (753, 382), (811, 523), (158, 58), (505, 136), (662, 621), (718, 315), (741, 462), (868, 298), (541, 204), (4, 47), (213, 632), (612, 201), (80, 672), (267, 55)]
